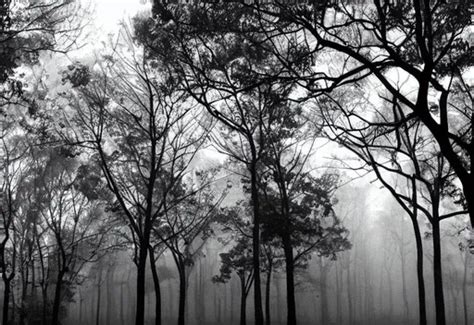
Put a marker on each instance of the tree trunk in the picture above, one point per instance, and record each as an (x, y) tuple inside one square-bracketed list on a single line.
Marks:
[(290, 280), (122, 320), (338, 295), (57, 298), (44, 293), (6, 301), (323, 291), (349, 294), (97, 309), (141, 272), (438, 276), (419, 272), (257, 290), (182, 292), (243, 300), (267, 294), (464, 287), (156, 284), (404, 284), (109, 294)]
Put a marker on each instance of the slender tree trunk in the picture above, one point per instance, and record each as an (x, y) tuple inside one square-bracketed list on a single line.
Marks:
[(182, 292), (419, 272), (156, 284), (290, 280), (257, 290), (44, 293), (323, 291), (243, 300), (438, 276), (267, 294), (97, 309), (122, 320), (141, 272), (6, 302), (349, 295), (404, 284), (390, 295), (57, 298), (464, 287), (109, 294), (338, 295)]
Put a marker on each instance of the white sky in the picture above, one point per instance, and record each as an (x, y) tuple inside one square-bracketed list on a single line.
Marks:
[(108, 13)]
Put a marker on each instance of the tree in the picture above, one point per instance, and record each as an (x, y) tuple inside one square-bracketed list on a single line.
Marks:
[(425, 42), (143, 136), (405, 154), (217, 80), (185, 227), (77, 226), (238, 260), (13, 171), (26, 29)]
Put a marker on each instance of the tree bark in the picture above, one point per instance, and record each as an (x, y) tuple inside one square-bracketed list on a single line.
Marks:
[(156, 284), (438, 276)]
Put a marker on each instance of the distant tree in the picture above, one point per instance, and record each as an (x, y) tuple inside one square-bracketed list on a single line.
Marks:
[(185, 227), (238, 260), (75, 228), (14, 170)]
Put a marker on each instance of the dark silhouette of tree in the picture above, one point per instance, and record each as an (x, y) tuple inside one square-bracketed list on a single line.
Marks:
[(184, 228), (143, 136), (408, 155), (238, 260)]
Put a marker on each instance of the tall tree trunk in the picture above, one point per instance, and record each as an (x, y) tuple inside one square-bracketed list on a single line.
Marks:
[(44, 313), (57, 298), (349, 294), (97, 309), (182, 292), (323, 292), (338, 295), (109, 294), (419, 272), (404, 284), (464, 287), (156, 284), (290, 280), (122, 320), (438, 276), (6, 301), (267, 294), (141, 272), (243, 300), (257, 290)]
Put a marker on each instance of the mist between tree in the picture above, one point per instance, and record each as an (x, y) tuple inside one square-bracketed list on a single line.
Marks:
[(237, 163)]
